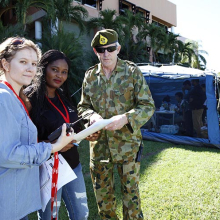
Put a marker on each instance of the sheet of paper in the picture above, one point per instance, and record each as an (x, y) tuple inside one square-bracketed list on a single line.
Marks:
[(66, 174), (92, 129)]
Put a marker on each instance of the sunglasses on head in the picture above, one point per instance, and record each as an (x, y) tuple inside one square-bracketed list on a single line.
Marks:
[(17, 41), (14, 42), (109, 49)]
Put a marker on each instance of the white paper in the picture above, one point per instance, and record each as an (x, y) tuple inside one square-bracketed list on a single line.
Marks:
[(92, 129), (66, 174)]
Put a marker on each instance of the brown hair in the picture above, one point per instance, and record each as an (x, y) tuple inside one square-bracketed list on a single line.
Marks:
[(12, 45)]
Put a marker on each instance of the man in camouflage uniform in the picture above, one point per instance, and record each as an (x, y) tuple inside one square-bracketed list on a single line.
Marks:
[(115, 88)]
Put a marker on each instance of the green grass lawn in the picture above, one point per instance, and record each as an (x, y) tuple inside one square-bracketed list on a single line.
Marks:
[(177, 182)]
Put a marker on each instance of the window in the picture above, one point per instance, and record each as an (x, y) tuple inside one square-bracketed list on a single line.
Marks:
[(141, 12), (123, 5), (160, 25), (92, 3), (145, 14)]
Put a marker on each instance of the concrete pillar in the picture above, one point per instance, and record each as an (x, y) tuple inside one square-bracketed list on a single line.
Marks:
[(173, 29), (38, 30)]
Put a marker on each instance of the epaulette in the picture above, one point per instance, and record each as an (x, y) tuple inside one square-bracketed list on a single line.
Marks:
[(91, 70), (130, 63)]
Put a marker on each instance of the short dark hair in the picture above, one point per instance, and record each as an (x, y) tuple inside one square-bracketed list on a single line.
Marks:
[(166, 98), (179, 94), (187, 82)]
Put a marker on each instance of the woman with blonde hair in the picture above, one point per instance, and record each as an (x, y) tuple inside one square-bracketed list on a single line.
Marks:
[(20, 153)]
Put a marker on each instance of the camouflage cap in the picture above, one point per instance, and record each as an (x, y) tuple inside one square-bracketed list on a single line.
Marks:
[(104, 37)]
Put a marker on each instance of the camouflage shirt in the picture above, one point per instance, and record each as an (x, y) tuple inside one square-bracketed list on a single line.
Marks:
[(126, 91)]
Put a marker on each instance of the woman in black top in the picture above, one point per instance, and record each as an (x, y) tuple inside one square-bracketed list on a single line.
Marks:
[(51, 106)]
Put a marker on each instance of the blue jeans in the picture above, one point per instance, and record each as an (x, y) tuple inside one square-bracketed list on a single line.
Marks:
[(74, 196), (46, 215)]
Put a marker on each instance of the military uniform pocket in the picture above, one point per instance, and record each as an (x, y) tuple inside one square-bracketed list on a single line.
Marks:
[(123, 100), (96, 100)]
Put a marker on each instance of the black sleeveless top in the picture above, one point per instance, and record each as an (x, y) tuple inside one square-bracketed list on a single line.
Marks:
[(50, 119)]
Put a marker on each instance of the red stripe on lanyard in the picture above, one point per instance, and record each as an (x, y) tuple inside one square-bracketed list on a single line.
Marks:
[(56, 159), (10, 87), (66, 118), (54, 184)]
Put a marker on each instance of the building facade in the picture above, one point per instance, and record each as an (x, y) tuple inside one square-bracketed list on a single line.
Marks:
[(161, 12)]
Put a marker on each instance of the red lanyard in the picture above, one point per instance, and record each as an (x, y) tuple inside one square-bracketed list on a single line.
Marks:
[(54, 184), (56, 159), (66, 118), (10, 87)]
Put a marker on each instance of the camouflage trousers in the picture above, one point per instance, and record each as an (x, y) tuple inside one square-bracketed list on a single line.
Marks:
[(103, 184)]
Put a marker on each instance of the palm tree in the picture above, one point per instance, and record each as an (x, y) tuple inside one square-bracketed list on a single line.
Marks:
[(136, 52), (132, 48), (11, 30), (192, 55), (106, 20), (129, 24), (65, 11), (198, 60), (154, 35), (185, 53), (171, 47), (21, 7), (4, 6)]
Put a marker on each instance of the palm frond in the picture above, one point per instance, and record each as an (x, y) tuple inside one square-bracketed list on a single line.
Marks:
[(11, 30)]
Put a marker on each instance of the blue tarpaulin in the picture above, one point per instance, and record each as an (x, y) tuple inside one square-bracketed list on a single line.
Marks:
[(169, 80)]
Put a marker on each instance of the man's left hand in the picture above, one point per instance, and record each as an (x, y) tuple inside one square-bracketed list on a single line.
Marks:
[(118, 123)]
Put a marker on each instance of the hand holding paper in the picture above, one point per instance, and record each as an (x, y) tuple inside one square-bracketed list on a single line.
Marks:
[(98, 125), (118, 122), (94, 118)]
